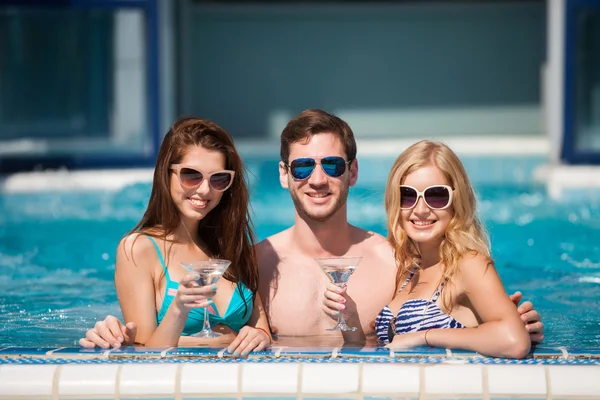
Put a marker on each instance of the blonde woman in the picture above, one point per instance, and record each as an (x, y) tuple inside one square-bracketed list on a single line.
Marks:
[(446, 277)]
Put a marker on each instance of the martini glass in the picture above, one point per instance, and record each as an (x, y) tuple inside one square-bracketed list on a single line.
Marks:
[(209, 272), (338, 270)]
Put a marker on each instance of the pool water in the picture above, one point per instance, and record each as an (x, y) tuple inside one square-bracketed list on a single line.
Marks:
[(57, 251)]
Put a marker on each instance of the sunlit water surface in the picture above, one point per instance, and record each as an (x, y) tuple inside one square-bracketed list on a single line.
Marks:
[(57, 254)]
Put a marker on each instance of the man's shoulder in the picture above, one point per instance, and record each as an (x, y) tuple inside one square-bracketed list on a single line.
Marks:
[(268, 250), (276, 241), (369, 238), (374, 245)]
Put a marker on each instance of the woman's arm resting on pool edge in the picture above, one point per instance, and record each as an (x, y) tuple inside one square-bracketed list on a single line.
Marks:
[(134, 283), (135, 289), (111, 330), (255, 335), (501, 332)]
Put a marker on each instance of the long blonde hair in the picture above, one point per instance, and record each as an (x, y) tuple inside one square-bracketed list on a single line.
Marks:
[(465, 233)]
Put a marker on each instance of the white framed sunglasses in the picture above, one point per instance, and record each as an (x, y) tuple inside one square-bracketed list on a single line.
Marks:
[(190, 178), (437, 197)]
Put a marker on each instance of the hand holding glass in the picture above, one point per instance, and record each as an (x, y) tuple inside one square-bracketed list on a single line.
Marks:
[(209, 272), (338, 270)]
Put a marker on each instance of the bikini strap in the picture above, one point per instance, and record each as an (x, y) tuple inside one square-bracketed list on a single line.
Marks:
[(160, 257), (412, 273), (437, 293)]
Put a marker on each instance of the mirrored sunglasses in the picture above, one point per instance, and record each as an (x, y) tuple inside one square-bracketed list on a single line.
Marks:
[(191, 178), (436, 197), (302, 168)]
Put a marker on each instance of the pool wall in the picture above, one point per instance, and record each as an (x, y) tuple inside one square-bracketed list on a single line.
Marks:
[(296, 373)]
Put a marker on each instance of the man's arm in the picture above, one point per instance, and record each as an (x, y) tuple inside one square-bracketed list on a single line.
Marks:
[(110, 332), (530, 317)]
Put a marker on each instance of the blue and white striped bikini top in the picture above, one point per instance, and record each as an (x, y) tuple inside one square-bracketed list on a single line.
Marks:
[(414, 315)]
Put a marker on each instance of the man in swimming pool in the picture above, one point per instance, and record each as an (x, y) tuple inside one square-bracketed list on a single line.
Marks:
[(319, 165)]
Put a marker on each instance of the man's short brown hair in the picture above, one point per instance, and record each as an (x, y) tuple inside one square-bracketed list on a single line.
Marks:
[(312, 122)]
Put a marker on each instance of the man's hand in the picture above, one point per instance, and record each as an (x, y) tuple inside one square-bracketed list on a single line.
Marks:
[(110, 332), (530, 317)]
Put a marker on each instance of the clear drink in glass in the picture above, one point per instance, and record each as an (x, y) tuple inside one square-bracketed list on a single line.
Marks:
[(209, 272), (339, 270)]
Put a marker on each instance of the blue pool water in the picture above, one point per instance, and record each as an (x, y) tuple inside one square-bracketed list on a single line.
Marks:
[(57, 249)]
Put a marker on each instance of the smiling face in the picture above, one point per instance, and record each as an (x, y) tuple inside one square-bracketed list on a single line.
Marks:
[(320, 196), (421, 223), (197, 202)]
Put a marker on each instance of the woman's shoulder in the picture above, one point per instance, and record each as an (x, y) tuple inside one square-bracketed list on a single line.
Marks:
[(137, 245), (474, 259), (474, 265)]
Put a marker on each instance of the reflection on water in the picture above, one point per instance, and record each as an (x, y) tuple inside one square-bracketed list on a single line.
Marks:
[(320, 341)]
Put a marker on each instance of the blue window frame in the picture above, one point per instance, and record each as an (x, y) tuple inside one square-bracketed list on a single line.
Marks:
[(81, 84), (581, 124)]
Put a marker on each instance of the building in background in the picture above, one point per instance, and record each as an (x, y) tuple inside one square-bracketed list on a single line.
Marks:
[(96, 83)]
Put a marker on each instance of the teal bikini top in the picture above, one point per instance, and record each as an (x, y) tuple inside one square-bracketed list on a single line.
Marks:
[(235, 317)]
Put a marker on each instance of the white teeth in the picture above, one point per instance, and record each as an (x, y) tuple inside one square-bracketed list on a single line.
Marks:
[(197, 202), (423, 223), (318, 195)]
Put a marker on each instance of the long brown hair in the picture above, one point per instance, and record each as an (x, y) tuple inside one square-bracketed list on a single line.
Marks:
[(465, 233), (227, 229)]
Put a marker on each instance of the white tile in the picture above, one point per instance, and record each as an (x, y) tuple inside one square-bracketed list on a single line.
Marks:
[(270, 378), (26, 380), (453, 379), (209, 378), (90, 379), (146, 379), (517, 379), (390, 378), (329, 378), (574, 380)]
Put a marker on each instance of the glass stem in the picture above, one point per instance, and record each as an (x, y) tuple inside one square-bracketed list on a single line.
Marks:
[(206, 326), (341, 320)]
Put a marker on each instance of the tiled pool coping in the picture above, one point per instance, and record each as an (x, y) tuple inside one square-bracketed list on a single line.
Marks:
[(287, 372)]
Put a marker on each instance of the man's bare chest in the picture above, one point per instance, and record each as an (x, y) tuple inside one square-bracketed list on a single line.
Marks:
[(292, 283)]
